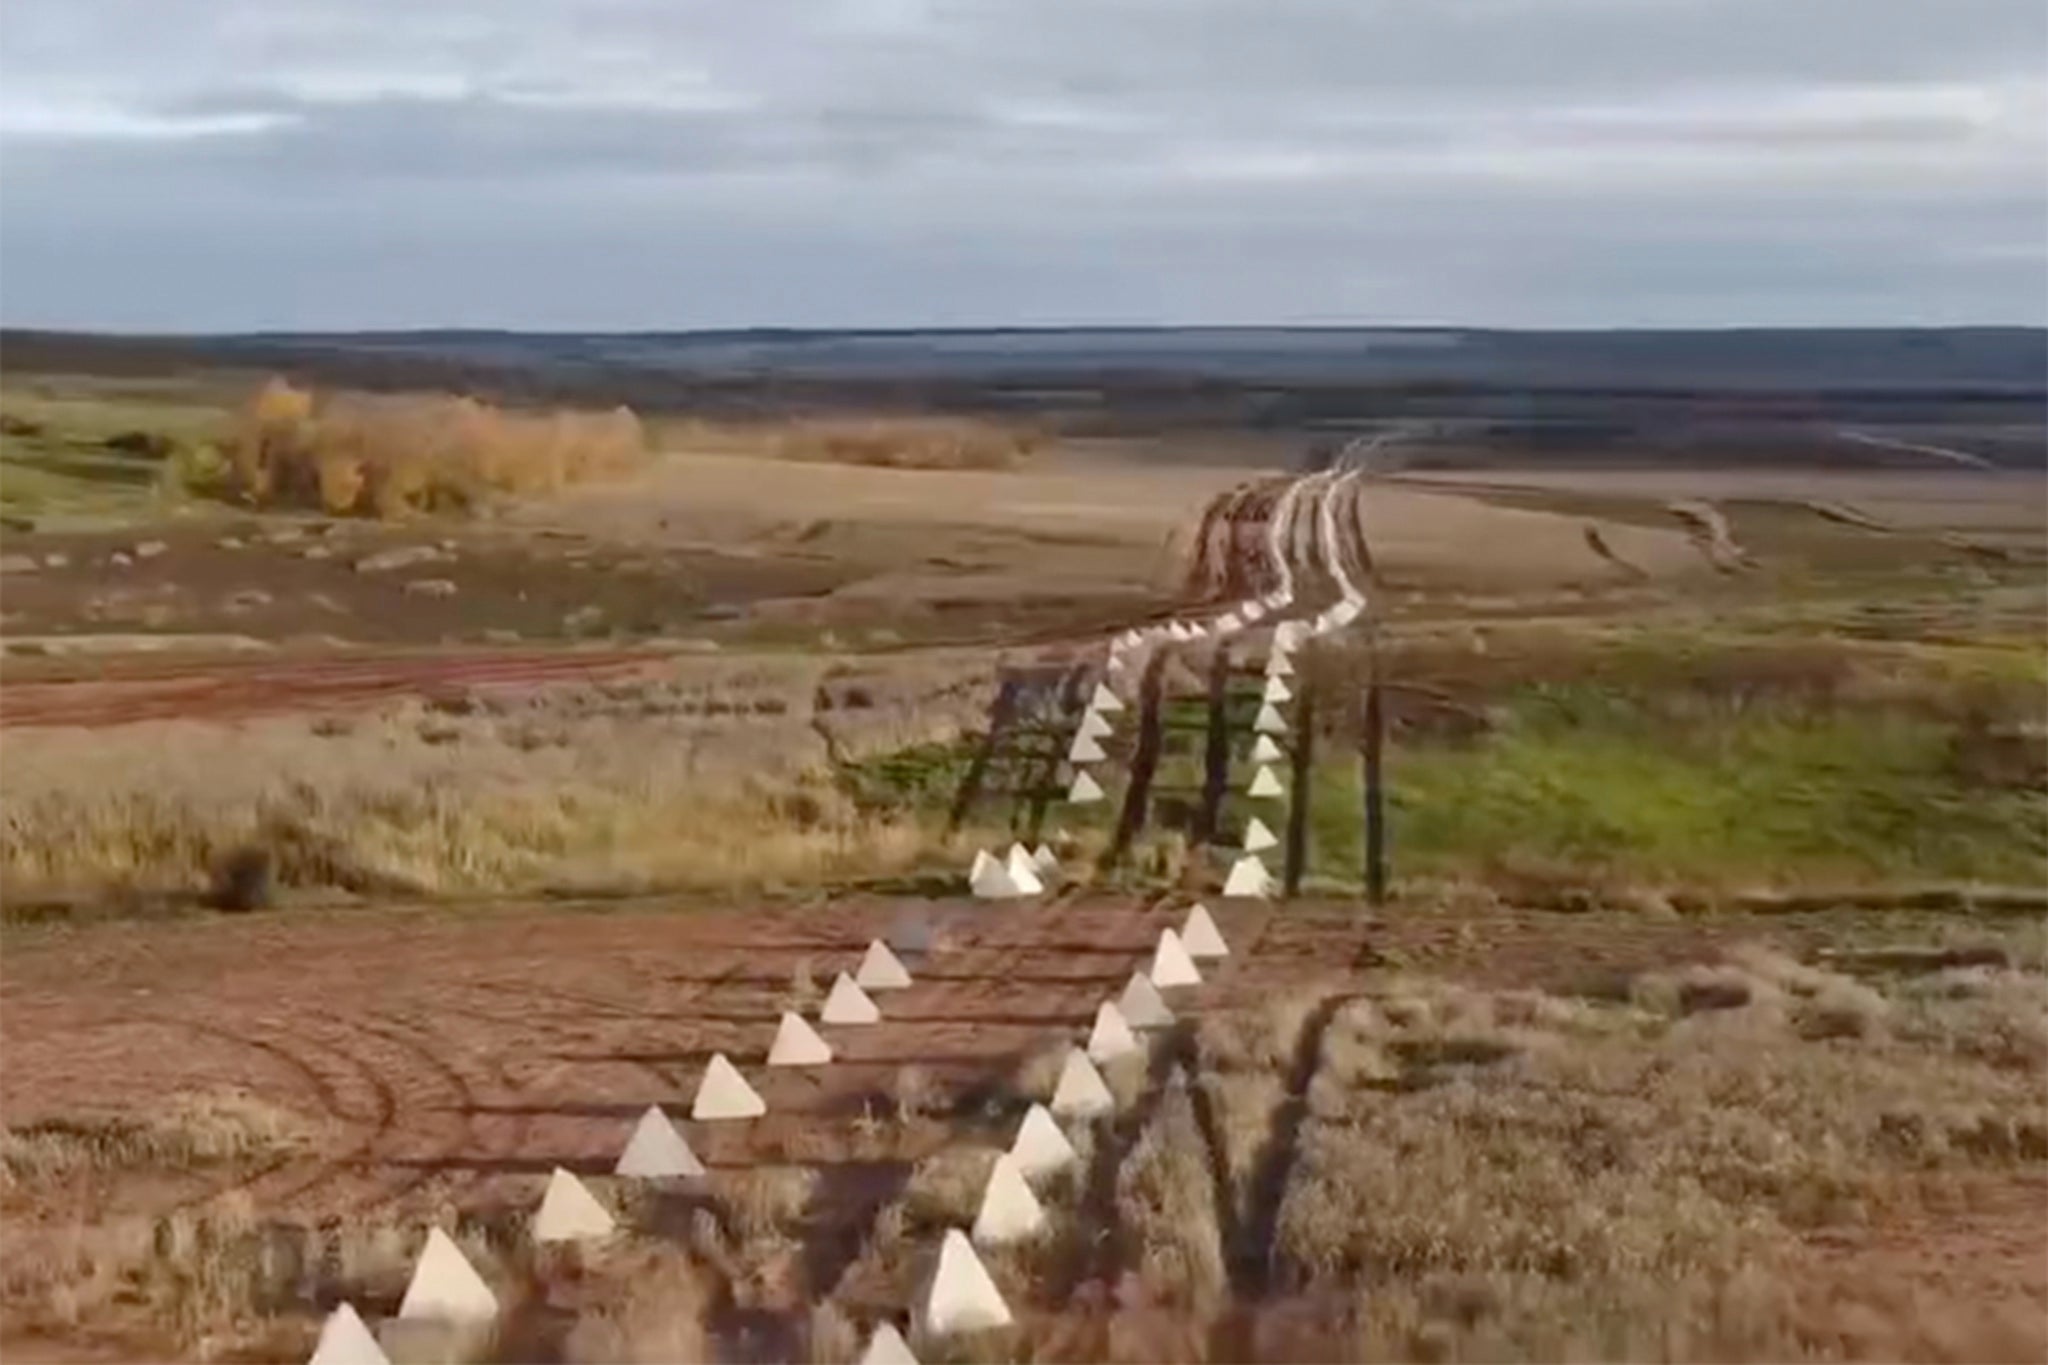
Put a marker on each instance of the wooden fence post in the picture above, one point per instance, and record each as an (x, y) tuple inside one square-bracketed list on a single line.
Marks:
[(1299, 797), (1371, 746)]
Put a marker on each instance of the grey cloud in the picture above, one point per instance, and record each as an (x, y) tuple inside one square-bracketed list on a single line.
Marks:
[(648, 163)]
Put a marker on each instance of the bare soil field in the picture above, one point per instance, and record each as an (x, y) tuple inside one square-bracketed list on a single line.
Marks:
[(139, 686), (417, 1066), (1942, 498)]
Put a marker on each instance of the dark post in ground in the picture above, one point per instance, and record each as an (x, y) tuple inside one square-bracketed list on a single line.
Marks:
[(1298, 798), (1216, 758), (1144, 761), (1371, 744), (999, 716), (1043, 783)]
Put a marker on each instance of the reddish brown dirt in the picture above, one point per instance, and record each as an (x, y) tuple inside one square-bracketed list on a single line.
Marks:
[(1964, 1280), (537, 587), (120, 691), (449, 1049), (449, 1052), (454, 1057)]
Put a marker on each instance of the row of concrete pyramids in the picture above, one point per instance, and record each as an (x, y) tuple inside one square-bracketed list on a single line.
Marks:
[(960, 1295), (1021, 872), (446, 1287), (1095, 727)]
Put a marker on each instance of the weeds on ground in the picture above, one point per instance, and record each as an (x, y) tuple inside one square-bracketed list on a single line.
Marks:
[(185, 1132), (886, 442), (637, 786), (1524, 1174), (1167, 1209)]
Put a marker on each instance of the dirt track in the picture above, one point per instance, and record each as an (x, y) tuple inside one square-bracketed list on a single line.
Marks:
[(116, 692)]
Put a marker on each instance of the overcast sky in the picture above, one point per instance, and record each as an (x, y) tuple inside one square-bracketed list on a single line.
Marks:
[(232, 164)]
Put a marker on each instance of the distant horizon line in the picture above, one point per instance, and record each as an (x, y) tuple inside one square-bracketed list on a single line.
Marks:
[(772, 331)]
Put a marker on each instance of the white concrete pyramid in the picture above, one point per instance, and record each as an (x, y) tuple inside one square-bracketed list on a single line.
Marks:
[(570, 1213), (1023, 873), (990, 879), (848, 1004), (725, 1094), (979, 868), (344, 1340), (1276, 692), (1085, 791), (1248, 877), (1264, 750), (1252, 610), (880, 970), (1270, 721), (1265, 783), (1229, 624), (1278, 666), (1200, 936), (1115, 665), (1081, 1093), (960, 1296), (1141, 1004), (1041, 1148), (1095, 725), (1111, 1037), (887, 1347), (1348, 610), (1105, 701), (1086, 749), (1043, 861), (1287, 635), (656, 1150), (1010, 1212), (1171, 965), (798, 1044), (445, 1285), (1257, 838)]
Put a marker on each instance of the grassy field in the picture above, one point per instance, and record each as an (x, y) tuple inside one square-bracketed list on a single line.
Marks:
[(1674, 760), (722, 776), (1694, 1028), (55, 453)]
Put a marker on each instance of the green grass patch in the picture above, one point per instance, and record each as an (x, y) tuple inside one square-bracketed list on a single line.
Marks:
[(101, 450), (920, 780), (1692, 789)]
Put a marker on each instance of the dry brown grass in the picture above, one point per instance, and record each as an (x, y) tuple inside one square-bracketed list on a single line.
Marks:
[(767, 1201), (1166, 1204), (1517, 1174), (886, 442), (945, 1188), (720, 775), (658, 1318), (185, 1131), (396, 456)]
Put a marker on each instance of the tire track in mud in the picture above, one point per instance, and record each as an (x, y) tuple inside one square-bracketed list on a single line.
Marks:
[(459, 1100), (289, 1048)]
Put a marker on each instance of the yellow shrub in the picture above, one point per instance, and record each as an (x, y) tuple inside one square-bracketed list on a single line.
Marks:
[(396, 456)]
